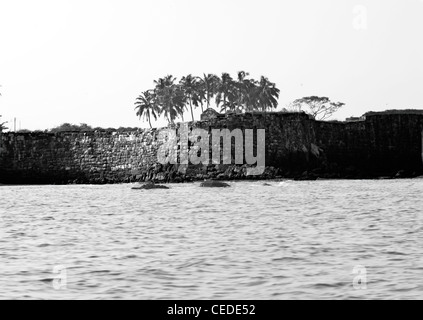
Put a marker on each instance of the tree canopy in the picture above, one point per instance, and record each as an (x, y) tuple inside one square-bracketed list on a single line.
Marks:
[(321, 108), (83, 127), (170, 98), (66, 127)]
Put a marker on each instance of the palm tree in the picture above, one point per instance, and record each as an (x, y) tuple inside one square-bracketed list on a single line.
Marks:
[(225, 92), (241, 89), (250, 95), (146, 105), (209, 83), (267, 94), (189, 86), (200, 95), (170, 98), (172, 102), (160, 85), (164, 82)]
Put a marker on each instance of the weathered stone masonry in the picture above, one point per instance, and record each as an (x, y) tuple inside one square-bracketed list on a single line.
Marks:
[(296, 147)]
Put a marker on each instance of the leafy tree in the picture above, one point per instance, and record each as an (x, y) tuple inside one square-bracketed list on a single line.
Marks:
[(127, 129), (321, 108), (146, 106), (68, 127)]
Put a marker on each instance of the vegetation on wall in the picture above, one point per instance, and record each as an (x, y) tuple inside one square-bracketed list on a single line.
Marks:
[(83, 127), (2, 125)]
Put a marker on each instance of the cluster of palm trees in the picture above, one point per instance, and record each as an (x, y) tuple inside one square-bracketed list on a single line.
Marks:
[(171, 98)]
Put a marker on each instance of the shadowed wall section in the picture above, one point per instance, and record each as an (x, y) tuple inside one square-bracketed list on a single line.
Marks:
[(296, 147)]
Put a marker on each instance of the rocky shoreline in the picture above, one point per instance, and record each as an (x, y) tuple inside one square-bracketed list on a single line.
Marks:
[(164, 174), (237, 173), (305, 177)]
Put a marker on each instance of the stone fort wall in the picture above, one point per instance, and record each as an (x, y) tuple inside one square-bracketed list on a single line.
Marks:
[(297, 146)]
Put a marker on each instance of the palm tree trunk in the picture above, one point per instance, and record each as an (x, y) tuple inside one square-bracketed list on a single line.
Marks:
[(190, 105), (239, 100), (149, 121)]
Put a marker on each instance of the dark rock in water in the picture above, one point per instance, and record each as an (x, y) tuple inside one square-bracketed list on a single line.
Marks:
[(150, 186), (214, 184), (406, 174), (401, 174), (306, 176)]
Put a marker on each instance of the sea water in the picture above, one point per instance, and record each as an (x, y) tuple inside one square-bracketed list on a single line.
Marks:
[(337, 239)]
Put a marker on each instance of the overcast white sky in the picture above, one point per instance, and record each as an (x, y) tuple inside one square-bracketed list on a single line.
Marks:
[(86, 61)]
